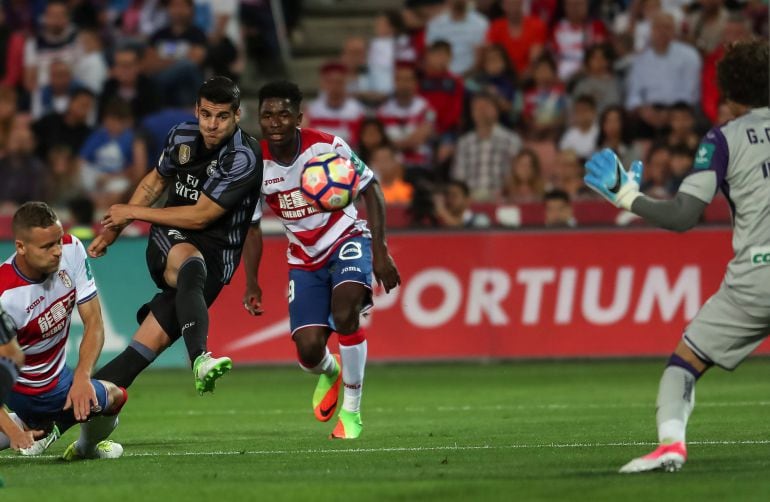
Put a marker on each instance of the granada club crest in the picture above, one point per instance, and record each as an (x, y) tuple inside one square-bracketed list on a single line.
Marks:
[(65, 278), (184, 154)]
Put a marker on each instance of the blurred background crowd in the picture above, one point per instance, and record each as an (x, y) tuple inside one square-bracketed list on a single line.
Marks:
[(465, 110)]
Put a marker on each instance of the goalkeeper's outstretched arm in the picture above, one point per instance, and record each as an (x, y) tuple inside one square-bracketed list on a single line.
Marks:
[(684, 211)]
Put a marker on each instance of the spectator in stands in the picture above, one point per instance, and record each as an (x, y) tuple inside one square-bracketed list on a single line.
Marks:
[(524, 182), (615, 133), (569, 175), (91, 67), (598, 80), (219, 21), (409, 123), (8, 112), (128, 82), (108, 165), (581, 136), (464, 29), (444, 92), (22, 173), (11, 54), (572, 35), (496, 76), (81, 210), (62, 180), (334, 111), (484, 155), (656, 172), (415, 18), (261, 37), (558, 210), (56, 40), (390, 174), (54, 97), (663, 74), (680, 165), (69, 128), (636, 22), (706, 25), (545, 103), (175, 55), (682, 126), (521, 35), (452, 206), (371, 137), (359, 84), (389, 45)]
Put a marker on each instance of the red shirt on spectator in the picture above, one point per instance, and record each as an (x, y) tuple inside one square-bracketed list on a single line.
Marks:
[(533, 33), (444, 92)]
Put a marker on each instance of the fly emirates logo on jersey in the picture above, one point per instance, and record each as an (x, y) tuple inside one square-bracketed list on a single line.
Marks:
[(290, 205), (188, 188)]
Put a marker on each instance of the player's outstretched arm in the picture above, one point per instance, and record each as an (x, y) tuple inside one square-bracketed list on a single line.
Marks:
[(252, 256), (385, 270), (195, 217), (18, 437), (606, 175), (82, 397)]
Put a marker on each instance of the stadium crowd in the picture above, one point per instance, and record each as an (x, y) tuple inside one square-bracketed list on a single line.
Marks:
[(452, 103)]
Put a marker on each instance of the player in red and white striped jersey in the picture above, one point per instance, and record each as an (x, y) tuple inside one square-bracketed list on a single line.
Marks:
[(331, 256), (40, 286), (334, 111)]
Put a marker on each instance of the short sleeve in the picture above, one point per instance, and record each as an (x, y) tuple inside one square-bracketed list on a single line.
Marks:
[(257, 211), (238, 172), (166, 167), (85, 286), (365, 174), (712, 154)]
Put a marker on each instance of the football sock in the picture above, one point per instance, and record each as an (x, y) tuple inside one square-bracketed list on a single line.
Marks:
[(353, 356), (325, 367), (126, 366), (191, 310), (676, 399), (8, 374), (94, 431)]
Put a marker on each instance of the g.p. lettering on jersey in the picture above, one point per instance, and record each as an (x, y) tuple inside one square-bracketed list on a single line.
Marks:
[(189, 188)]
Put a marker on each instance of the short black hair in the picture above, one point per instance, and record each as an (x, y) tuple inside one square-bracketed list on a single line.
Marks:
[(281, 89), (463, 186), (82, 210), (440, 45), (80, 90), (118, 108), (33, 214), (681, 150), (556, 194), (742, 74), (682, 106), (586, 99), (220, 90)]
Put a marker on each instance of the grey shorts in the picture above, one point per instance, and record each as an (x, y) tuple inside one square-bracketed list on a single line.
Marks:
[(724, 332)]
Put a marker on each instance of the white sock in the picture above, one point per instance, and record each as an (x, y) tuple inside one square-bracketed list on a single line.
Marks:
[(5, 441), (325, 367), (353, 365), (676, 400), (95, 431)]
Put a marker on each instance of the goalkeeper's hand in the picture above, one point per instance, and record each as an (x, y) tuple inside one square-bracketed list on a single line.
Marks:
[(606, 175)]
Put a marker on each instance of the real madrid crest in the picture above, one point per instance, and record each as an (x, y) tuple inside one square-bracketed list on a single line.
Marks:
[(65, 278), (184, 154), (212, 168)]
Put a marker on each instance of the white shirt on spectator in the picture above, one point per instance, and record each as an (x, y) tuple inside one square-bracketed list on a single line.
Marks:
[(40, 54), (583, 143), (91, 71), (664, 78), (384, 52), (463, 35)]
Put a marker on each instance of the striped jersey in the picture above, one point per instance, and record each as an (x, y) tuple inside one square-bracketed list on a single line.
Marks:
[(41, 312), (229, 175), (313, 235), (738, 152), (344, 122), (402, 121)]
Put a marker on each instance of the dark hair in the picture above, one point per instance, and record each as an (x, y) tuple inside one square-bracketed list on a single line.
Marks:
[(681, 150), (509, 70), (220, 90), (33, 214), (396, 20), (556, 194), (82, 210), (363, 151), (586, 99), (281, 89), (463, 186), (603, 47), (79, 91), (441, 45), (117, 108), (625, 130), (742, 74), (682, 106)]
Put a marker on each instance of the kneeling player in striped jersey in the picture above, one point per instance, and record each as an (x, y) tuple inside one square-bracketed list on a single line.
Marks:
[(40, 286)]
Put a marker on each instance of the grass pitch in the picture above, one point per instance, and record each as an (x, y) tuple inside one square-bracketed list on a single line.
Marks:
[(518, 431)]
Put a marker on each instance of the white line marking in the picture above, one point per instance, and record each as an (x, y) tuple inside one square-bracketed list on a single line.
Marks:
[(402, 449)]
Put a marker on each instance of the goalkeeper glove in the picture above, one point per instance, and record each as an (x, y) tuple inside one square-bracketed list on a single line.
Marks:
[(606, 175)]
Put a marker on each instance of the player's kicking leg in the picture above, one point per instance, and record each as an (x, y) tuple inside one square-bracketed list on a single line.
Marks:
[(93, 442), (676, 400), (314, 357)]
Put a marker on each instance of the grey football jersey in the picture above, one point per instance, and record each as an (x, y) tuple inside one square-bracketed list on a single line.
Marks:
[(738, 153)]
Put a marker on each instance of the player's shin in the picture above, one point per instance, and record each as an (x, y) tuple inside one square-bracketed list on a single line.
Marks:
[(99, 428), (8, 373), (191, 309), (123, 369), (676, 399), (353, 355)]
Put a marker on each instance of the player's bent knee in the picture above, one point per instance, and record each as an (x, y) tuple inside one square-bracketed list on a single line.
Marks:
[(685, 352), (311, 347), (346, 320), (116, 398)]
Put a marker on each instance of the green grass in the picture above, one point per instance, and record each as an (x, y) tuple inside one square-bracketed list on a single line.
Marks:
[(518, 431)]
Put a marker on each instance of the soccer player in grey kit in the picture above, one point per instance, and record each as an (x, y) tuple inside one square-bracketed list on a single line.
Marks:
[(734, 158)]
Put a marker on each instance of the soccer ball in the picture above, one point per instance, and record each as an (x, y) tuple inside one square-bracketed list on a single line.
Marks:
[(329, 182)]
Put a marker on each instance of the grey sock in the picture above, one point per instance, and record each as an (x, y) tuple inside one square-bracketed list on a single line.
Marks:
[(676, 399)]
